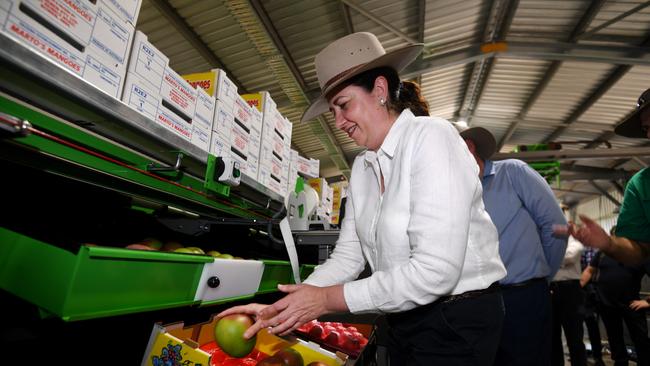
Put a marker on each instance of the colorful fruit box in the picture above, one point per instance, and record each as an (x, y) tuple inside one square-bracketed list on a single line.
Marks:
[(195, 345)]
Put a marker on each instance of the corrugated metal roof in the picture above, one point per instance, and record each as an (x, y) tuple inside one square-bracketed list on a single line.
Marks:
[(554, 81)]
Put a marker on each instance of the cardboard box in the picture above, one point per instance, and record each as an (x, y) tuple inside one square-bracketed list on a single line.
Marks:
[(314, 167), (223, 120), (173, 122), (147, 61), (127, 9), (89, 41), (203, 120), (141, 96), (177, 94), (217, 84), (262, 101), (219, 146), (164, 346), (239, 145), (177, 339), (269, 180)]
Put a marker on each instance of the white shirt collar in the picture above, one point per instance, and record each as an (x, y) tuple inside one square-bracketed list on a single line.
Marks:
[(391, 140)]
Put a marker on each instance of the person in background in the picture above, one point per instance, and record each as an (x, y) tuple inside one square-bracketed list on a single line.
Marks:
[(631, 244), (414, 213), (523, 208), (618, 286), (591, 308), (567, 301)]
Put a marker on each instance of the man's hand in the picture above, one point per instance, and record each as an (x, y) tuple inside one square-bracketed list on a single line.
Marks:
[(590, 234), (637, 305)]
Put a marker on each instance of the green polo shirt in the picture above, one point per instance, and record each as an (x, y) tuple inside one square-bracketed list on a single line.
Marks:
[(634, 218)]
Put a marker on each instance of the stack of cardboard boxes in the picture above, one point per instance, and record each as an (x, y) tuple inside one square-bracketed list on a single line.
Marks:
[(90, 39), (275, 143), (97, 41)]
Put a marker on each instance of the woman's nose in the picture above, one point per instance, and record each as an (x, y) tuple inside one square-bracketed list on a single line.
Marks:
[(338, 119)]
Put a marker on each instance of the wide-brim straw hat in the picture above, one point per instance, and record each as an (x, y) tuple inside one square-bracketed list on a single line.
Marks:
[(350, 56), (631, 126), (486, 144)]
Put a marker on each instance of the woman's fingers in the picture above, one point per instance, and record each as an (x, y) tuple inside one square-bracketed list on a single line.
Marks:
[(250, 309)]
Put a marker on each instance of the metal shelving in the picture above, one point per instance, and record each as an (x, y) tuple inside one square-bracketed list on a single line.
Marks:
[(57, 127), (33, 84)]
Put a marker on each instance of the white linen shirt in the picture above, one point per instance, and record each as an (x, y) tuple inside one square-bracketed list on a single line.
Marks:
[(427, 236)]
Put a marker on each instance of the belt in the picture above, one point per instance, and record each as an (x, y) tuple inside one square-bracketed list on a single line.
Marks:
[(396, 318), (530, 282), (469, 294)]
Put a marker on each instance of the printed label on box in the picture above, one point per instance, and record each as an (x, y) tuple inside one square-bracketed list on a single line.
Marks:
[(223, 120), (127, 9), (72, 19), (171, 121), (181, 95), (147, 61)]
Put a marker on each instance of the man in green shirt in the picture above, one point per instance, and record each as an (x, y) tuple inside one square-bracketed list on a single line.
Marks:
[(631, 244)]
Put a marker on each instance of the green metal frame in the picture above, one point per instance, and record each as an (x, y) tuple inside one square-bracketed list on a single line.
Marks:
[(185, 190)]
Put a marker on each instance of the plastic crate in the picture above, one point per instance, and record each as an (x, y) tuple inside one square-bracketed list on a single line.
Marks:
[(96, 281)]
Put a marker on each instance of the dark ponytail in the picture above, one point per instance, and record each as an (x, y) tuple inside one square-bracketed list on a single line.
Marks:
[(408, 96), (402, 94)]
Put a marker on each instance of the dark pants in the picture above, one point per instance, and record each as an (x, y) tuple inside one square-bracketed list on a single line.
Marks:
[(526, 336), (567, 301), (591, 321), (458, 333), (613, 318)]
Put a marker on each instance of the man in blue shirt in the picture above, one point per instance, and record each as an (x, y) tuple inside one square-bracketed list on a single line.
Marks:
[(524, 210)]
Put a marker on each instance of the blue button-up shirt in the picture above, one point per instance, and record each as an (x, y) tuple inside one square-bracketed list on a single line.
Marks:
[(524, 209)]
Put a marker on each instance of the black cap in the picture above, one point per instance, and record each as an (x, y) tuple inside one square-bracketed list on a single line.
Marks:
[(631, 126)]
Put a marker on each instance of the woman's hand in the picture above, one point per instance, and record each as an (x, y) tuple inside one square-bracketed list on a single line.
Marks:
[(637, 305), (250, 309), (302, 304)]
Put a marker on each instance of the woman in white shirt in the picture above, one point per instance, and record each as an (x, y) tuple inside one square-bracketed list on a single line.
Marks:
[(414, 213)]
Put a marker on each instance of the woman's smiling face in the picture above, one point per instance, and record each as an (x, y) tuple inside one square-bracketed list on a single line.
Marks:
[(360, 114)]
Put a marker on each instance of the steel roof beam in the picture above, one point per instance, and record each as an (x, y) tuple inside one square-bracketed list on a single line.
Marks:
[(604, 87), (575, 154), (606, 24), (552, 69), (278, 42), (347, 18), (368, 14), (297, 93), (573, 191), (593, 176), (619, 188), (532, 50), (193, 39), (604, 192), (502, 12)]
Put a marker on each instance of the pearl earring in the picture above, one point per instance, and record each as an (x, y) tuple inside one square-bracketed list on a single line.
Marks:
[(382, 101)]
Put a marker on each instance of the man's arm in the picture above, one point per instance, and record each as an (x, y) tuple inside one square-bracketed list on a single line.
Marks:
[(586, 275), (626, 250), (539, 200)]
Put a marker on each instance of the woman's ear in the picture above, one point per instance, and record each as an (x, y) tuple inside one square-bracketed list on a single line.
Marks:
[(381, 87)]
